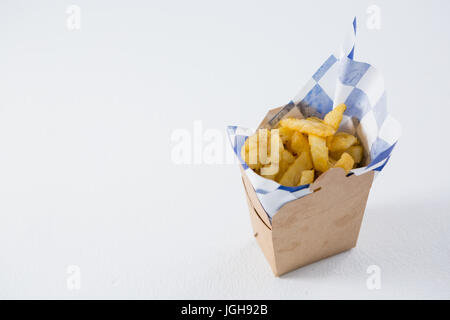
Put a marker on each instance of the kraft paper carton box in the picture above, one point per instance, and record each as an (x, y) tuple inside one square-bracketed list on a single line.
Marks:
[(319, 225)]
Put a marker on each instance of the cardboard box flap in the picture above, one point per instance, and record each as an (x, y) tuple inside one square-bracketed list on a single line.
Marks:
[(321, 224), (329, 190)]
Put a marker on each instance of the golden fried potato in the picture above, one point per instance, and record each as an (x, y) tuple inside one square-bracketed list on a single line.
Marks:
[(313, 126), (270, 173), (319, 152), (285, 134), (342, 141), (253, 140), (286, 160), (249, 152), (299, 143), (334, 117), (263, 146), (335, 155), (329, 139), (345, 162), (315, 119), (291, 177), (276, 146), (314, 140), (307, 177), (356, 152), (257, 149)]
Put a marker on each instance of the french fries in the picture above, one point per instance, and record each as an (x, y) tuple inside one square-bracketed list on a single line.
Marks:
[(300, 150), (309, 126), (257, 149), (342, 141), (299, 143), (286, 160), (345, 162), (356, 152), (307, 177), (285, 134), (319, 152), (334, 117), (293, 174)]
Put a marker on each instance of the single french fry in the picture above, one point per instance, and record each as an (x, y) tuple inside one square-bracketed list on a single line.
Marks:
[(286, 160), (319, 152), (275, 148), (265, 152), (329, 139), (291, 177), (342, 141), (334, 117), (299, 143), (268, 174), (345, 162), (310, 126), (285, 134), (249, 152), (316, 119), (257, 149), (356, 152), (307, 177)]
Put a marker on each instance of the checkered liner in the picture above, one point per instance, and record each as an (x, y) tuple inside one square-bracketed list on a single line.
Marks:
[(340, 79)]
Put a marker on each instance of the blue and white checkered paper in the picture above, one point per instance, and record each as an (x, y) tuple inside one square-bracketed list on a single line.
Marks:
[(340, 79)]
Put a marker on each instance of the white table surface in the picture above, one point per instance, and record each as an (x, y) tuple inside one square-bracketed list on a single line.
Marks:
[(86, 174)]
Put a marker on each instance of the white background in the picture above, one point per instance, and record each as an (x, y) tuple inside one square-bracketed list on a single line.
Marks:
[(86, 174)]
